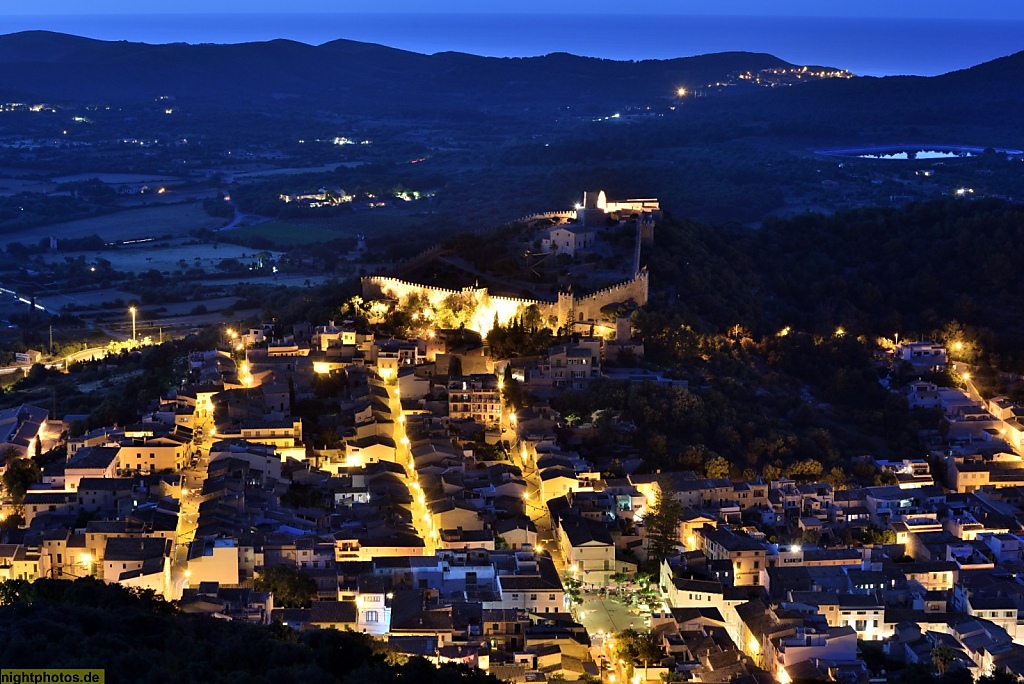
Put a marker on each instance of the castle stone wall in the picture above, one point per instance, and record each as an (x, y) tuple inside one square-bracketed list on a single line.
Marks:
[(487, 307)]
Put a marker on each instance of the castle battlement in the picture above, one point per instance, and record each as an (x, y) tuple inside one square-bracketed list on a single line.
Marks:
[(546, 215), (566, 309)]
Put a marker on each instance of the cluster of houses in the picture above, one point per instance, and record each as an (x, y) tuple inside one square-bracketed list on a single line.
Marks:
[(415, 527), (984, 440)]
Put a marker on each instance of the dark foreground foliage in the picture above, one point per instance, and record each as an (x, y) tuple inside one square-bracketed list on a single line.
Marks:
[(138, 637)]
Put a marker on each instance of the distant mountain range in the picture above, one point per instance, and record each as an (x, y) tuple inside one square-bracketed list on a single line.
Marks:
[(51, 67)]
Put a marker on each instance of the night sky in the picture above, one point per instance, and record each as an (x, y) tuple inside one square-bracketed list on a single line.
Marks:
[(868, 37), (939, 9)]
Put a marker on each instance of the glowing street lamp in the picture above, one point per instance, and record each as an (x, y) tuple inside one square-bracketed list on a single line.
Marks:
[(681, 92), (132, 310)]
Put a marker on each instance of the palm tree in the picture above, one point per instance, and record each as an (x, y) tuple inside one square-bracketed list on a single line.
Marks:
[(943, 657)]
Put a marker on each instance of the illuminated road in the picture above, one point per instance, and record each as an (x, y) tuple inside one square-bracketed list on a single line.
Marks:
[(421, 519)]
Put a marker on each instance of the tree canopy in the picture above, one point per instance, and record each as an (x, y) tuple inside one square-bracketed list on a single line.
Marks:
[(135, 636)]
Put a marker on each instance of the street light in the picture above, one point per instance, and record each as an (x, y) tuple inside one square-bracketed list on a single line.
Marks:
[(132, 310)]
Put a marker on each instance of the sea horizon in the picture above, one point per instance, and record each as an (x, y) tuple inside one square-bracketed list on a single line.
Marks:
[(864, 46)]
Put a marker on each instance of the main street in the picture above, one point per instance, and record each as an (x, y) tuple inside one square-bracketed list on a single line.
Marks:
[(193, 475), (421, 518)]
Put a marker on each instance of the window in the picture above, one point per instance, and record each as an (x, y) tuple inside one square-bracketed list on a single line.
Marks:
[(757, 564), (371, 616), (533, 597), (551, 597)]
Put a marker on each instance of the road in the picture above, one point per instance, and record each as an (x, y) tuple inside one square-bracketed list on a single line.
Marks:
[(240, 217), (964, 371), (84, 355), (193, 477), (421, 519), (536, 508)]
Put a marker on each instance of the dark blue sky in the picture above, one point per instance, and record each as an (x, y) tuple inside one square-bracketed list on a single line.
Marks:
[(939, 9), (868, 37)]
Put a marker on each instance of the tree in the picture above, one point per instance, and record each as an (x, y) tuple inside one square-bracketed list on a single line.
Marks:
[(21, 474), (291, 588), (662, 522), (999, 676), (943, 657), (619, 578), (510, 388), (874, 535), (717, 467), (637, 648), (837, 478), (573, 590), (811, 536)]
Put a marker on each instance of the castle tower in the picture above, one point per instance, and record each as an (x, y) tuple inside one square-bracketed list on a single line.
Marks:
[(623, 329), (566, 307), (645, 224)]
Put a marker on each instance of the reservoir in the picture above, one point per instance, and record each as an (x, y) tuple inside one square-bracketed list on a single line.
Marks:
[(917, 152)]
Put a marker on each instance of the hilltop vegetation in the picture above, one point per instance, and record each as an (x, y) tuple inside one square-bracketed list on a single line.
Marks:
[(874, 272), (780, 332), (138, 637)]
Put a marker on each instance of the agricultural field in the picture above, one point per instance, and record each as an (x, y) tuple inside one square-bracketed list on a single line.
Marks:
[(14, 186), (324, 168), (130, 224), (92, 299), (294, 232), (164, 256), (116, 178), (282, 279)]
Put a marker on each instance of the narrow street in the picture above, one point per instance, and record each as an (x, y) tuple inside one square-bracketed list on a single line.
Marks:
[(536, 508), (421, 519)]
